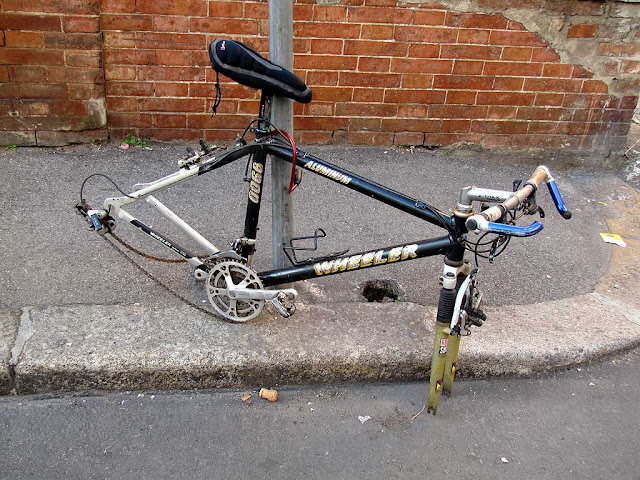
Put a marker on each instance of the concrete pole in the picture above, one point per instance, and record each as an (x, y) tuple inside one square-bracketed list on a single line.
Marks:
[(281, 53)]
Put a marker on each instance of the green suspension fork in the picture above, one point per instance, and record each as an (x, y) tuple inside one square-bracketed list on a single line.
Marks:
[(445, 345)]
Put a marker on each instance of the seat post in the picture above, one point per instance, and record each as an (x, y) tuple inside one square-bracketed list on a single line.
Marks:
[(265, 105)]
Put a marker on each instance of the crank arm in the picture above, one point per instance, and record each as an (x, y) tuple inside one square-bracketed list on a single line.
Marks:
[(238, 293)]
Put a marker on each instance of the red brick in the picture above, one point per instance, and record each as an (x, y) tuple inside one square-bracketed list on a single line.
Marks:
[(130, 57), (582, 31), (380, 15), (351, 79), (325, 62), (34, 90), (415, 96), (171, 7), (164, 73), (316, 108), (130, 89), (366, 110), (73, 41), (445, 139), (326, 30), (459, 97), (375, 49), (585, 101), (330, 13), (419, 65), (165, 23), (491, 126), (30, 108), (371, 124), (408, 138), (24, 21), (515, 38), (117, 6), (513, 84), (22, 5), (126, 22), (552, 85), (333, 94), (594, 86), (629, 102), (301, 13), (21, 56), (630, 66), (373, 64), (515, 25), (544, 113), (424, 50), (545, 55), (560, 70), (505, 98), (322, 78), (171, 105), (462, 82), (25, 73), (457, 111), (429, 17), (513, 69), (23, 39), (426, 34), (256, 10), (473, 36), (171, 89), (315, 138), (118, 40), (85, 91), (377, 32), (467, 67), (320, 123), (401, 125), (175, 58), (225, 26), (79, 75), (226, 9), (153, 40), (82, 7), (83, 59), (470, 52), (169, 121), (580, 72), (417, 80), (496, 112), (549, 99), (456, 126), (118, 72), (476, 20), (327, 46), (518, 54), (81, 24)]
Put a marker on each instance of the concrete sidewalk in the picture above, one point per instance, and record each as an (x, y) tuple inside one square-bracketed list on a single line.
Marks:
[(78, 316)]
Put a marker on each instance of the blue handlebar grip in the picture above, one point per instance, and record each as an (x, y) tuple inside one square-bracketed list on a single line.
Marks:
[(95, 221), (557, 199), (514, 230)]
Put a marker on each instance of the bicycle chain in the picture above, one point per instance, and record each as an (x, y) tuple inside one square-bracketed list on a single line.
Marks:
[(156, 280)]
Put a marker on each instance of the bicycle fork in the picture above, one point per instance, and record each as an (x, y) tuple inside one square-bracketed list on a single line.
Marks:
[(446, 344)]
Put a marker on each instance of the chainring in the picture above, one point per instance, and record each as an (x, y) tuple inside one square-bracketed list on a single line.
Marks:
[(231, 272)]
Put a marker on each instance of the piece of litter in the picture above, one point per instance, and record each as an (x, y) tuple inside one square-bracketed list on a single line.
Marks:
[(271, 395), (613, 238), (504, 460), (603, 203), (140, 395), (591, 384), (125, 146), (245, 397), (364, 419), (548, 276), (579, 369), (152, 397)]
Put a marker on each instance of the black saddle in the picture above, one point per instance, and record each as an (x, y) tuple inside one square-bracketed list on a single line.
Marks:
[(244, 65)]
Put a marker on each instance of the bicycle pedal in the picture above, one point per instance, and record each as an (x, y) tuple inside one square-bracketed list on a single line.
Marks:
[(284, 305)]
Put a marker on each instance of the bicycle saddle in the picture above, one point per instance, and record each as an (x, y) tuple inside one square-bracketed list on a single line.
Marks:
[(244, 65)]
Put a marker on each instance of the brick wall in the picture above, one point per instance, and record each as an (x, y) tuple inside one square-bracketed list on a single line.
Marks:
[(51, 77), (525, 73)]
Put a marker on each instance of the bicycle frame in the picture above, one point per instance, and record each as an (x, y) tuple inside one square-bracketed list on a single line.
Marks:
[(259, 150)]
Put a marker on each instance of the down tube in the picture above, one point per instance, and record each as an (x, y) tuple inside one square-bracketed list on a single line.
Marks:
[(358, 261)]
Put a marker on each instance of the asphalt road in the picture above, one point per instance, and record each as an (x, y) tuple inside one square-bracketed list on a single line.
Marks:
[(575, 424), (48, 256)]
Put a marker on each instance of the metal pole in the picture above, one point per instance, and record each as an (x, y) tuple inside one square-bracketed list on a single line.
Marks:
[(281, 53)]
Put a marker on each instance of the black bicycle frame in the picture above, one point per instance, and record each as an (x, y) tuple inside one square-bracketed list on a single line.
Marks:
[(260, 149)]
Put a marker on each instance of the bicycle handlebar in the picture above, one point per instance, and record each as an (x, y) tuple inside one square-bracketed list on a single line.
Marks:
[(486, 221)]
